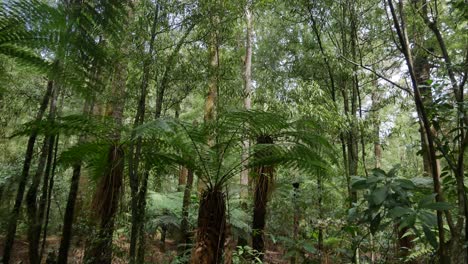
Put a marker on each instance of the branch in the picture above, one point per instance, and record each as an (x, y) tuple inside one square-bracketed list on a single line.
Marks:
[(406, 89)]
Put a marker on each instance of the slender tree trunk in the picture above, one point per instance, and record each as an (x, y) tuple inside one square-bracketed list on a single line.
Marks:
[(142, 214), (69, 215), (296, 185), (244, 181), (184, 224), (12, 223), (400, 28), (458, 93), (36, 211), (31, 196), (135, 149), (49, 196)]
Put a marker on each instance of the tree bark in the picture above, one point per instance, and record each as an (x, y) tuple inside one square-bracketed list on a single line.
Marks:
[(244, 181), (263, 184), (106, 197), (208, 248)]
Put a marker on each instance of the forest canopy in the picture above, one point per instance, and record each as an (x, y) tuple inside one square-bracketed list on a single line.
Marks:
[(233, 131)]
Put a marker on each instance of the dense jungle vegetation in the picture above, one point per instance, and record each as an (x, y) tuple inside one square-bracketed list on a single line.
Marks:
[(233, 131)]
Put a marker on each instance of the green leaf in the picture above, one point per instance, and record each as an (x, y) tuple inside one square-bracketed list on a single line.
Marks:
[(379, 195), (430, 236), (379, 173), (359, 183), (399, 211), (440, 206), (428, 218), (406, 184), (309, 248), (408, 221)]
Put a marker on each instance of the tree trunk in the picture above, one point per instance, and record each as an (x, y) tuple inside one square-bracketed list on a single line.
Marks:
[(105, 205), (263, 184), (33, 238), (36, 211), (69, 215), (244, 181), (142, 213), (135, 149), (106, 197), (12, 223), (208, 248), (400, 28), (184, 224), (50, 187)]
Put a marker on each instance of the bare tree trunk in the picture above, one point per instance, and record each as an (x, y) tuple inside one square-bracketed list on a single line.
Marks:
[(244, 181), (12, 223)]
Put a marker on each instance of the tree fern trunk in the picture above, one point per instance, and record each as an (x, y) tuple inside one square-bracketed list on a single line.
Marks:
[(105, 205), (211, 227), (106, 197), (263, 183)]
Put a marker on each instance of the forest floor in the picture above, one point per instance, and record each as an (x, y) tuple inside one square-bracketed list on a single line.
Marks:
[(159, 254)]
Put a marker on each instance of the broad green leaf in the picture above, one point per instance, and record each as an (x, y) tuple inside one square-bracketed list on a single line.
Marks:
[(359, 183), (399, 211), (379, 172), (428, 218), (406, 184), (408, 221), (379, 195)]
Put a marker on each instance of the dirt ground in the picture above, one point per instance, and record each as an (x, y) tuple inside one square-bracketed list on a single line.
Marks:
[(156, 253)]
